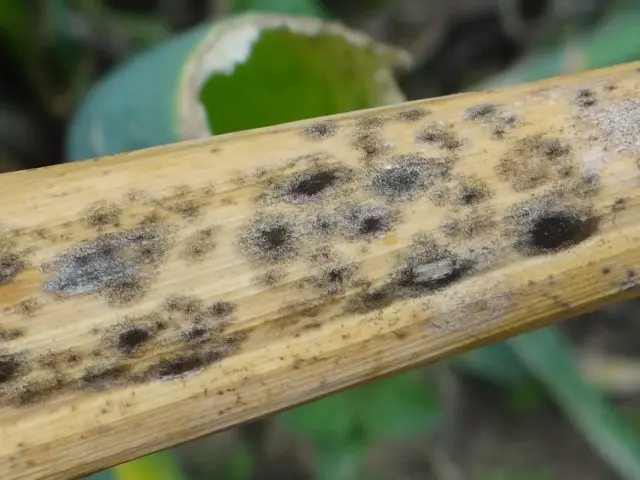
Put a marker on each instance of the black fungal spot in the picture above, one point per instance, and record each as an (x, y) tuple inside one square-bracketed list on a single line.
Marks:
[(534, 161), (335, 278), (102, 376), (28, 307), (320, 131), (471, 190), (471, 225), (323, 223), (411, 115), (606, 270), (618, 205), (367, 220), (188, 209), (11, 366), (370, 300), (10, 265), (586, 186), (430, 268), (184, 304), (407, 175), (585, 98), (370, 122), (483, 111), (131, 338), (200, 244), (272, 239), (60, 360), (548, 226), (7, 334), (197, 333), (313, 184), (370, 145), (35, 391), (440, 135), (184, 364), (111, 265), (178, 365), (103, 214), (124, 291), (221, 309), (490, 114), (554, 230)]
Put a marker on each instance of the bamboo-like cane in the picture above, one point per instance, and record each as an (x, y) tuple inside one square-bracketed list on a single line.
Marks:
[(160, 295)]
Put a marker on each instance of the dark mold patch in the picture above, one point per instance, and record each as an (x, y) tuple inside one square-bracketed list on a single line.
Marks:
[(335, 278), (323, 223), (619, 205), (191, 312), (198, 245), (28, 307), (471, 190), (371, 299), (183, 304), (370, 145), (411, 115), (430, 268), (483, 111), (440, 135), (128, 337), (586, 98), (408, 175), (7, 334), (12, 365), (548, 225), (320, 131), (490, 114), (111, 265), (103, 214), (534, 161), (104, 376), (187, 363), (272, 238), (468, 226), (586, 186), (313, 184), (369, 122), (60, 360), (10, 265), (367, 220), (185, 202), (35, 391)]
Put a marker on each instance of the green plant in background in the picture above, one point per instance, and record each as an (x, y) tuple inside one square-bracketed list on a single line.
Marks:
[(340, 427)]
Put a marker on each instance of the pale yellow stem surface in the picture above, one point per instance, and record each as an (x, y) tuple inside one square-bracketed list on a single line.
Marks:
[(153, 297)]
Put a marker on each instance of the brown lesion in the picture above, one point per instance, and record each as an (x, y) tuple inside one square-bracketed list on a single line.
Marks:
[(182, 335), (536, 160)]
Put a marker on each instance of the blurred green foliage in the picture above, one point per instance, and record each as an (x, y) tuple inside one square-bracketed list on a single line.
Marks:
[(342, 426)]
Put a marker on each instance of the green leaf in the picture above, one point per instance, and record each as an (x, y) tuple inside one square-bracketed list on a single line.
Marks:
[(495, 363), (237, 465), (288, 78), (157, 466), (16, 29), (548, 355), (396, 406), (243, 72), (290, 7)]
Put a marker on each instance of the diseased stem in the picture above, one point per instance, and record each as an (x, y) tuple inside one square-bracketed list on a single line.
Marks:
[(157, 296)]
